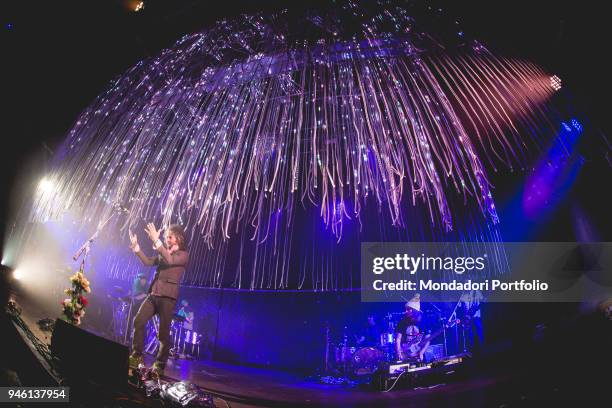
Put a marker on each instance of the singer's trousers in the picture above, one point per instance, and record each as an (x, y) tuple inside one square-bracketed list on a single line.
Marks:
[(164, 308)]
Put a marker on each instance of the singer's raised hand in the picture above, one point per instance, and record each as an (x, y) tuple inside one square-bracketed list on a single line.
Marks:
[(152, 232), (133, 239)]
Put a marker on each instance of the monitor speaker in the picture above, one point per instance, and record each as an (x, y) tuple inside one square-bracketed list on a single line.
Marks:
[(85, 357)]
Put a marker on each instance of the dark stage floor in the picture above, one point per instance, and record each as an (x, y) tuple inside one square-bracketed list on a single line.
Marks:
[(248, 386), (502, 378)]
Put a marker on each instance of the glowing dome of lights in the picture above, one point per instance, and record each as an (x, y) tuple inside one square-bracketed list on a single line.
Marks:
[(282, 140)]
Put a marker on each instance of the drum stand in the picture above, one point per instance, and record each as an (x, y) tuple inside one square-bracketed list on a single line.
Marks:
[(193, 339), (187, 338), (177, 340), (195, 345), (197, 356), (327, 347), (128, 324), (344, 358), (118, 322)]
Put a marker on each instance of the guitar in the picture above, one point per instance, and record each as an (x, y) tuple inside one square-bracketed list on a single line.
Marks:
[(414, 349)]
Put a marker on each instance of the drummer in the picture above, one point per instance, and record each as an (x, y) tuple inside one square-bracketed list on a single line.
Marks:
[(187, 312), (139, 288), (369, 335)]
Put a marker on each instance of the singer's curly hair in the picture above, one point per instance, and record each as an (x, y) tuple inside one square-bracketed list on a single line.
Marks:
[(179, 232)]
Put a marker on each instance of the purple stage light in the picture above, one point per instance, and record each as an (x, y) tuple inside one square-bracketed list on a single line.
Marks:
[(269, 114), (554, 173)]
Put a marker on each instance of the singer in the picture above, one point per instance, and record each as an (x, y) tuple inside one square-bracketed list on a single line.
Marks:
[(171, 260)]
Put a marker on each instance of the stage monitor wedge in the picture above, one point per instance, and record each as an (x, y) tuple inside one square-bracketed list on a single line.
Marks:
[(85, 357)]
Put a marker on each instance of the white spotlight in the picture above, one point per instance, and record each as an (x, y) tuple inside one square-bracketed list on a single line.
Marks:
[(17, 274), (555, 82), (46, 185)]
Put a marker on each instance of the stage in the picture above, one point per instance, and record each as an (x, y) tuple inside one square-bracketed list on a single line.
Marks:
[(503, 377), (362, 203), (250, 387)]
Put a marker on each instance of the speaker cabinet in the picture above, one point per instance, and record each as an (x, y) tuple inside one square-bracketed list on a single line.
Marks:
[(85, 357)]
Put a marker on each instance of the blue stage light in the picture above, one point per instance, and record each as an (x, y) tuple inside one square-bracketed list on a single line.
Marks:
[(577, 125)]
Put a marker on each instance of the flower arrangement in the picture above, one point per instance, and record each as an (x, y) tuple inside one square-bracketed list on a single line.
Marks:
[(74, 306)]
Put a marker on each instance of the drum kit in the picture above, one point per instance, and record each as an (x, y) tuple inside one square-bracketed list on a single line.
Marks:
[(355, 360), (185, 343)]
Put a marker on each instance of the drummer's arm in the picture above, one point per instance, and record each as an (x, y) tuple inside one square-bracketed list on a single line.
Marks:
[(398, 346)]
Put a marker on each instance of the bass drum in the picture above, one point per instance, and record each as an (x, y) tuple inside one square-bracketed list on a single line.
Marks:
[(367, 360)]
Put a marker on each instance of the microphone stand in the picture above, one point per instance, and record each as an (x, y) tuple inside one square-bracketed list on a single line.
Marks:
[(453, 316), (85, 248), (444, 328)]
